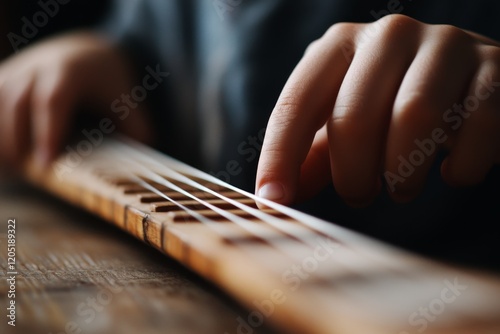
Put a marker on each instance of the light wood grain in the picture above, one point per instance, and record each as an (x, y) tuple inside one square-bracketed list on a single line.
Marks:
[(347, 283), (66, 256)]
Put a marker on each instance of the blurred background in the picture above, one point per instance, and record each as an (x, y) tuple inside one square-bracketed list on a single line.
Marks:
[(77, 14)]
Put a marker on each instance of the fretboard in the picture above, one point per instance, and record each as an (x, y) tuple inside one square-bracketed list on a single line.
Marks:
[(302, 274)]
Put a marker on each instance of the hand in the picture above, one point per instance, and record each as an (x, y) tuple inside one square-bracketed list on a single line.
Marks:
[(41, 87), (374, 103)]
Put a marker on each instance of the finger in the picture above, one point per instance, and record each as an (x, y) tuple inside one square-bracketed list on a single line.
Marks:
[(302, 108), (15, 125), (478, 141), (54, 100), (436, 80), (357, 129), (315, 172)]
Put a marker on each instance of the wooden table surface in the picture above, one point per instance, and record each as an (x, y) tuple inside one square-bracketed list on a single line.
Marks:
[(78, 274)]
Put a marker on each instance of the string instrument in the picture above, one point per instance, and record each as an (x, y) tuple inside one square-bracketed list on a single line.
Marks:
[(300, 273)]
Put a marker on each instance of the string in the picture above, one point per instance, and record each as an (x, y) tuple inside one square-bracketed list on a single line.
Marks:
[(359, 243), (280, 224), (255, 229), (294, 230), (333, 231)]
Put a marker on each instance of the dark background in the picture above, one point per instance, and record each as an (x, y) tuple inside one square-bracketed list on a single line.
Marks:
[(456, 225), (76, 14)]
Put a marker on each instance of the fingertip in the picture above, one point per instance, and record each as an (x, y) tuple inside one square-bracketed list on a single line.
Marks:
[(276, 181)]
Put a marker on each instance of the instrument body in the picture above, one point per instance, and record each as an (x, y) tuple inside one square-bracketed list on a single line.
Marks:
[(296, 271)]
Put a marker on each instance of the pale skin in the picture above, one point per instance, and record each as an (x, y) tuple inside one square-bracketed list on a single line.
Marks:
[(41, 87), (349, 121), (350, 108)]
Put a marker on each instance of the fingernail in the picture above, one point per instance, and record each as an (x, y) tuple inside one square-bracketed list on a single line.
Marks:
[(272, 191)]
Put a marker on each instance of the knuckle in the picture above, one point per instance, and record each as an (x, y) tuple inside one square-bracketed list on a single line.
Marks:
[(391, 29), (452, 35), (397, 23), (341, 35), (398, 19), (341, 29), (342, 26), (312, 46)]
